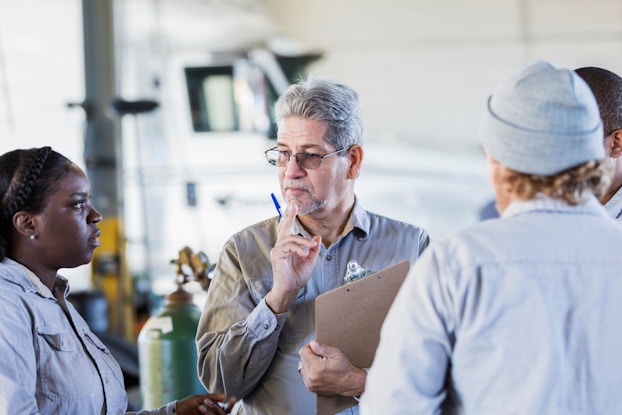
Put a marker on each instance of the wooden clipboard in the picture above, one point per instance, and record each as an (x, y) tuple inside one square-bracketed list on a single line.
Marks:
[(350, 317)]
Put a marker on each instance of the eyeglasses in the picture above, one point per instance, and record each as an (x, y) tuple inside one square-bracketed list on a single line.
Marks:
[(305, 161)]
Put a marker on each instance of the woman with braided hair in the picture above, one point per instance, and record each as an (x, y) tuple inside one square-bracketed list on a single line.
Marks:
[(51, 361)]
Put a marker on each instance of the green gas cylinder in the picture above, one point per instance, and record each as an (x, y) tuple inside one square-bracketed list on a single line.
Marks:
[(167, 353)]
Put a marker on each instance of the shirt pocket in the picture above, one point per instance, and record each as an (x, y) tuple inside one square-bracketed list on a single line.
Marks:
[(66, 372), (110, 372), (104, 355)]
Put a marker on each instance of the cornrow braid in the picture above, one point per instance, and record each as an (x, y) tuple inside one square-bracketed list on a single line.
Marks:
[(30, 175), (27, 179)]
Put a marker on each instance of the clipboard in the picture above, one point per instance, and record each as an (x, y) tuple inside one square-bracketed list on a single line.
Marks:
[(350, 317)]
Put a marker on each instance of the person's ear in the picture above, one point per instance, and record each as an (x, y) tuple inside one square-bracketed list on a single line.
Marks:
[(616, 144), (24, 223), (355, 155)]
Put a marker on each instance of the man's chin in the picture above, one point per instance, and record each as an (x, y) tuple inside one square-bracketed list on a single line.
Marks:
[(303, 209), (307, 209)]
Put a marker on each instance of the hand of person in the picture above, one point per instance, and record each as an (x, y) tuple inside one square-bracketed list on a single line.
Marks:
[(204, 404), (326, 370), (293, 258)]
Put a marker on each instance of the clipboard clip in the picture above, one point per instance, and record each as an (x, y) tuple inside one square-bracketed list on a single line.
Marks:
[(354, 272)]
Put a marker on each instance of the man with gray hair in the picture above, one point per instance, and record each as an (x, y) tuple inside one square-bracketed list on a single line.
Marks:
[(521, 314), (607, 88), (256, 337)]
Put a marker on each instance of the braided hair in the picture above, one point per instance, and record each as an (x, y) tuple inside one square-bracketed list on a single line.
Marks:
[(27, 178)]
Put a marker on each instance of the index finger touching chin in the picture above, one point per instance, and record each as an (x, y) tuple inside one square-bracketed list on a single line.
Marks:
[(288, 220)]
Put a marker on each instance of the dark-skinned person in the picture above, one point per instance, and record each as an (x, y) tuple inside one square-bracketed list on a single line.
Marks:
[(52, 363), (521, 314), (607, 89), (256, 337)]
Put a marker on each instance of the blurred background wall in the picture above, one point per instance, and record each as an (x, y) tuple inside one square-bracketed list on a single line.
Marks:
[(41, 70), (425, 68)]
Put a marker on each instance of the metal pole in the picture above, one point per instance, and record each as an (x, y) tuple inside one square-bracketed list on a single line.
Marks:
[(103, 160)]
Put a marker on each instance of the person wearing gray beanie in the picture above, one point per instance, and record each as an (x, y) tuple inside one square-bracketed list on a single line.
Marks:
[(541, 121), (517, 314), (541, 126), (607, 88)]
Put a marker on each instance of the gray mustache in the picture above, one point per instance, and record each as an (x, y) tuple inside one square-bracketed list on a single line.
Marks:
[(294, 183)]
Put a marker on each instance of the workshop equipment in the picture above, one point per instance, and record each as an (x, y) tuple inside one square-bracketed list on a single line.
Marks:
[(166, 344)]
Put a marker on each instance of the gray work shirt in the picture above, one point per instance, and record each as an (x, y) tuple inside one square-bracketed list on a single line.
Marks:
[(248, 352), (519, 315), (51, 361)]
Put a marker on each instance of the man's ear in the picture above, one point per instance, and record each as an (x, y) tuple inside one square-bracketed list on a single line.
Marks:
[(616, 144), (24, 223), (355, 155)]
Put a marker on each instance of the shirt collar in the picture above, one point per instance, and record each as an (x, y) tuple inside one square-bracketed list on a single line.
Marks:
[(589, 205), (16, 273)]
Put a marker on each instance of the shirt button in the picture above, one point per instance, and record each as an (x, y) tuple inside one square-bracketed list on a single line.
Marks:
[(265, 326), (329, 257)]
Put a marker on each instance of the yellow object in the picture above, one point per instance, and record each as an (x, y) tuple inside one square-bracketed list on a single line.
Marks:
[(110, 274)]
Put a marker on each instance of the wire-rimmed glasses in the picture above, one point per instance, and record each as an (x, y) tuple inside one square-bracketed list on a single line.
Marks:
[(304, 160)]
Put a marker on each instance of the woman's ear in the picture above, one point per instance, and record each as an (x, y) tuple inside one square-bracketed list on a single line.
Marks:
[(355, 155), (24, 223)]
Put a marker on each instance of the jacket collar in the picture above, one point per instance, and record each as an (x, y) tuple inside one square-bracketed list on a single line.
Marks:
[(541, 203)]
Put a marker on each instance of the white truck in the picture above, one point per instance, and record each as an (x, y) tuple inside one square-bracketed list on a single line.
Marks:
[(194, 168)]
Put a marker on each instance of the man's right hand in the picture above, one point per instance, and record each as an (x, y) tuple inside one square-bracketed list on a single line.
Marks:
[(293, 258)]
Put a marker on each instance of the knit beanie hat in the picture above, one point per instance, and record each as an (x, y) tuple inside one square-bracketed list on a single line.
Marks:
[(541, 121), (607, 89)]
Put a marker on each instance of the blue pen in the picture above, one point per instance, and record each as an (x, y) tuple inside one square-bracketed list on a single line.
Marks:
[(276, 204)]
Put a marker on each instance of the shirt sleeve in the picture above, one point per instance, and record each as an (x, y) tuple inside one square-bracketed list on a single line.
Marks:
[(238, 334), (412, 360)]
